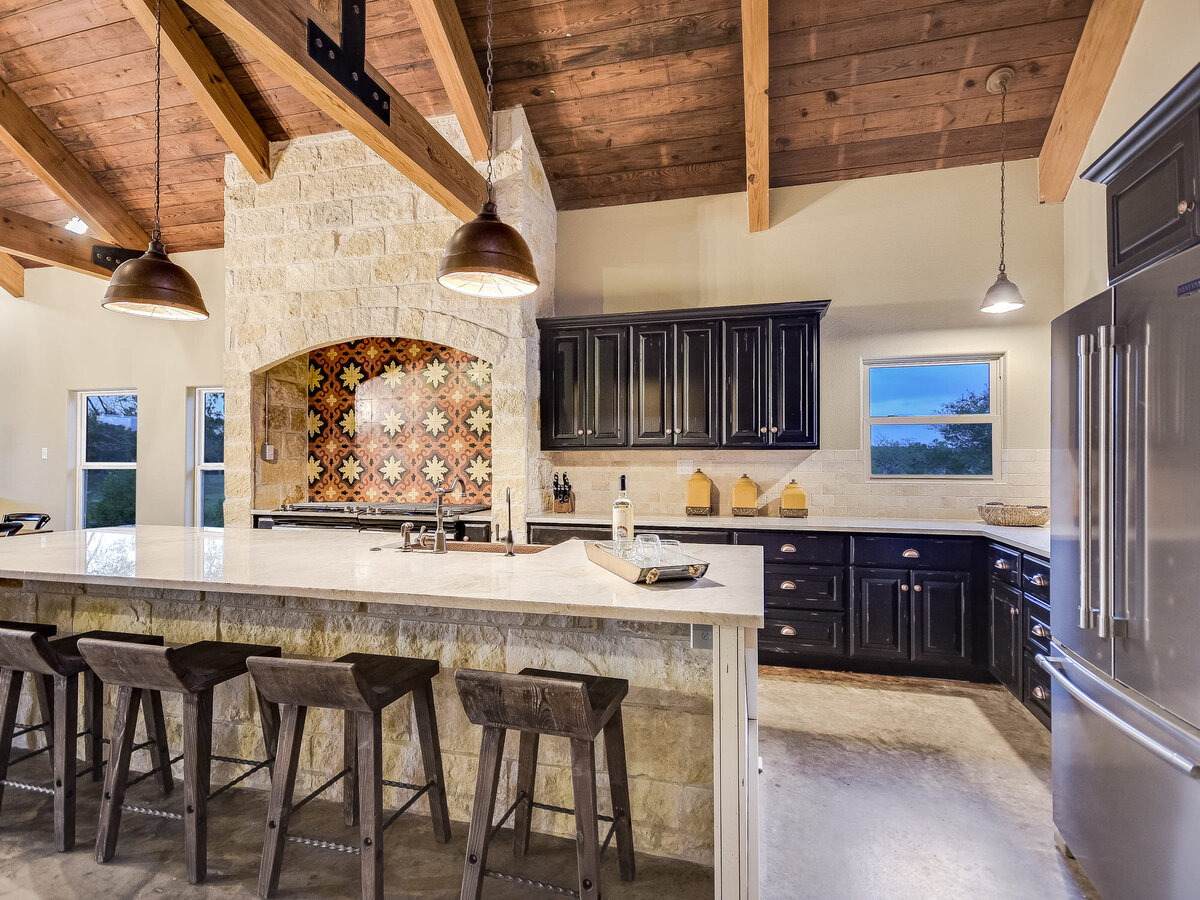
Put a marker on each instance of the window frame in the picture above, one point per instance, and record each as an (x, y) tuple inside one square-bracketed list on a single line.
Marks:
[(199, 466), (995, 363), (82, 466)]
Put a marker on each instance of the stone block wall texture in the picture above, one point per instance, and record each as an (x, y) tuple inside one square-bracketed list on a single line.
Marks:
[(340, 246), (668, 713)]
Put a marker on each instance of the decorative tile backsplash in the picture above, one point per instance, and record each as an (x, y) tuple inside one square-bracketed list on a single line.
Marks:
[(392, 419)]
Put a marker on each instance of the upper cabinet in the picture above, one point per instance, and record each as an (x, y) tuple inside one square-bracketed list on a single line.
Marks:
[(745, 376), (1153, 179)]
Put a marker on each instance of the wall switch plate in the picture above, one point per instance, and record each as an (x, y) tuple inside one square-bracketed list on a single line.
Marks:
[(45, 453), (684, 467), (268, 452), (702, 637)]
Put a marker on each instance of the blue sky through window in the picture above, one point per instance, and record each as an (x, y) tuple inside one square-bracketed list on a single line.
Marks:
[(923, 390)]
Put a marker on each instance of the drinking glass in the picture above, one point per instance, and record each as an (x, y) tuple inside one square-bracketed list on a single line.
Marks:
[(648, 549), (624, 547), (670, 553)]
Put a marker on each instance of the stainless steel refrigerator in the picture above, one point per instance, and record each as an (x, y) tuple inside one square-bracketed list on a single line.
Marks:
[(1125, 583)]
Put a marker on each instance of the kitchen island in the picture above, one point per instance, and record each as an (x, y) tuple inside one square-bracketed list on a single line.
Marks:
[(328, 593)]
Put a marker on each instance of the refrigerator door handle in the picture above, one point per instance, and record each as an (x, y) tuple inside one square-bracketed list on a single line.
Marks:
[(1055, 666), (1108, 625), (1083, 454)]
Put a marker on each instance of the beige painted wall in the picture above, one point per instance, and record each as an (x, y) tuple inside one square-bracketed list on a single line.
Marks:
[(905, 259), (1164, 46), (58, 340)]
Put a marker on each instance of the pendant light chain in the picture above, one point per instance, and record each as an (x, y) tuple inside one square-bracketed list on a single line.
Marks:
[(157, 117), (1003, 148), (490, 110)]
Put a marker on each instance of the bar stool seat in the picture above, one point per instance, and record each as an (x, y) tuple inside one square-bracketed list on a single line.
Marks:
[(539, 702), (191, 671), (361, 685), (55, 666)]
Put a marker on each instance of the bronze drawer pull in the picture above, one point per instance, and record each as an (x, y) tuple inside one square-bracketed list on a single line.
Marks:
[(1040, 693), (1041, 631), (787, 631), (788, 548), (1002, 565), (1039, 580), (911, 554), (787, 586)]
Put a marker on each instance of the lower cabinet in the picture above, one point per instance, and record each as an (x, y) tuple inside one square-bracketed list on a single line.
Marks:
[(913, 616), (1004, 646), (881, 613)]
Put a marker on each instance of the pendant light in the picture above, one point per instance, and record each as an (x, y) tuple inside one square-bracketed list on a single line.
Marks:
[(1003, 296), (151, 285), (485, 257)]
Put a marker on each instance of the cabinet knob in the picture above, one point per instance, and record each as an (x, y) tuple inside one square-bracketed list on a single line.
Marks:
[(1041, 631), (580, 431), (589, 431), (774, 429), (910, 553), (1186, 206), (787, 630), (1041, 693), (1012, 610), (1039, 580), (917, 588), (1002, 565), (788, 548), (787, 586), (904, 587), (679, 431), (763, 430)]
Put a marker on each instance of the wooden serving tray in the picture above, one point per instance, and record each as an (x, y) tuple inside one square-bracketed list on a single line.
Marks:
[(602, 554)]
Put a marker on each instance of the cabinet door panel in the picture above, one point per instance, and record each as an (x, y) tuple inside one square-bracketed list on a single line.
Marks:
[(942, 603), (1004, 641), (746, 383), (881, 613), (697, 395), (653, 361), (608, 386), (563, 379), (794, 416)]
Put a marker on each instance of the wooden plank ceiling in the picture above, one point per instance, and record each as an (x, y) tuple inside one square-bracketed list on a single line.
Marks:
[(629, 100)]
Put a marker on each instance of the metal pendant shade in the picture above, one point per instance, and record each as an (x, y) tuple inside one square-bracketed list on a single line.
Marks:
[(1003, 296), (151, 285), (485, 257)]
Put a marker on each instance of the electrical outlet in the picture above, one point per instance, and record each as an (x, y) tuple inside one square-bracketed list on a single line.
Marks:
[(684, 467), (45, 453)]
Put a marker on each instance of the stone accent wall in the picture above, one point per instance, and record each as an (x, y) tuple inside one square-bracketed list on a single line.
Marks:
[(668, 713), (340, 246), (285, 390), (836, 481)]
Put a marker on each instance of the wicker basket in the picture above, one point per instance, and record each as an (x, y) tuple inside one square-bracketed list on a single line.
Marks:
[(1010, 514)]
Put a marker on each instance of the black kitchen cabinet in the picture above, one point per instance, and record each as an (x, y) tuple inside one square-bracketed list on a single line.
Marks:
[(1004, 645), (745, 376), (1152, 175), (881, 613), (942, 617), (556, 534)]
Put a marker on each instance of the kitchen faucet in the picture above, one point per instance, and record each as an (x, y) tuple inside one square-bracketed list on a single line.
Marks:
[(439, 535)]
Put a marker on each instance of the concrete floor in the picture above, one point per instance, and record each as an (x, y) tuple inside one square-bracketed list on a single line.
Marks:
[(873, 788), (905, 788)]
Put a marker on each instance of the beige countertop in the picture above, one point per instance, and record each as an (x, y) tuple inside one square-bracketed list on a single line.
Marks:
[(341, 565), (1031, 540)]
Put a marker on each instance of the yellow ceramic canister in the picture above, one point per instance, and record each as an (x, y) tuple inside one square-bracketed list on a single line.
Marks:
[(699, 495), (745, 497), (793, 502)]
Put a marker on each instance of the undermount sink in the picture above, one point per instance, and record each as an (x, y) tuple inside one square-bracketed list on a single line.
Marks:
[(493, 547)]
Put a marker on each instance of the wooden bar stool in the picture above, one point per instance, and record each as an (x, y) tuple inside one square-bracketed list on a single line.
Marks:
[(361, 685), (536, 703), (55, 666), (191, 671)]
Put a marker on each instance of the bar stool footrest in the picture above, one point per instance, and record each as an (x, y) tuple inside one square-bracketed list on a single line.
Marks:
[(25, 786), (421, 790), (254, 764), (324, 845), (150, 811), (154, 771), (529, 882)]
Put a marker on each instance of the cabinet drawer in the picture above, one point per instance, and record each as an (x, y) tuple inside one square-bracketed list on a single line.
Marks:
[(805, 587), (912, 552), (1037, 689), (1004, 566), (1035, 578), (687, 535), (556, 534), (803, 633), (1036, 625), (797, 547)]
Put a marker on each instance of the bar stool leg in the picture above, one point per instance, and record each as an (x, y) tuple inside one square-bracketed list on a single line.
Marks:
[(268, 718), (197, 766), (156, 731), (66, 726), (370, 801), (10, 696), (116, 774), (491, 755), (93, 718), (618, 784), (43, 688), (431, 754), (587, 841), (350, 764), (526, 776), (283, 783)]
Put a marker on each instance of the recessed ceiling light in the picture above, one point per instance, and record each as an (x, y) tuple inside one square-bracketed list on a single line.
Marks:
[(76, 225)]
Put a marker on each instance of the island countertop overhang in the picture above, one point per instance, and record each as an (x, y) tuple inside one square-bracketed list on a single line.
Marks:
[(343, 566)]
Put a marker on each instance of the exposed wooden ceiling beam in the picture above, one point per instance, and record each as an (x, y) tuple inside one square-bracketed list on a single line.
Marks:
[(276, 32), (12, 276), (33, 143), (1101, 47), (756, 81), (443, 30), (45, 243), (194, 65)]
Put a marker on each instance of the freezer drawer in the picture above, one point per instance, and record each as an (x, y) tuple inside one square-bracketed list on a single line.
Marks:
[(1126, 795)]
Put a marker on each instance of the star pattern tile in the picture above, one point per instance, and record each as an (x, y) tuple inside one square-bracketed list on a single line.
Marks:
[(392, 419)]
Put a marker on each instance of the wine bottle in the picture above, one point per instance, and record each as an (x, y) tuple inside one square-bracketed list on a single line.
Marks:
[(622, 515)]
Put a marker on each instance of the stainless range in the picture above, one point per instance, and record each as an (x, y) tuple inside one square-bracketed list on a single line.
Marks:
[(371, 517)]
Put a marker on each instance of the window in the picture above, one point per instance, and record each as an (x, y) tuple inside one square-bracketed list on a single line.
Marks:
[(933, 417), (107, 482), (209, 502)]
